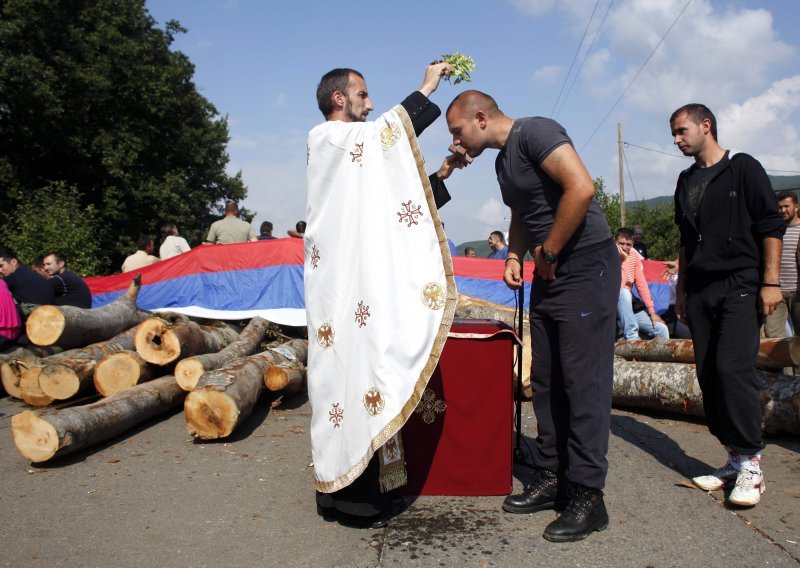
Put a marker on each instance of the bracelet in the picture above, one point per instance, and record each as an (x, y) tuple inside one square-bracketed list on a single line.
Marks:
[(768, 285), (513, 258)]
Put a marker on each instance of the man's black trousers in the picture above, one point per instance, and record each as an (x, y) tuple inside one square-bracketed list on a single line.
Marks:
[(573, 324), (724, 320)]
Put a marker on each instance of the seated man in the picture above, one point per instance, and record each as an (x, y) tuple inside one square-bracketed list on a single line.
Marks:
[(69, 289), (230, 229), (143, 255), (172, 244), (633, 324), (266, 231), (299, 232), (27, 288)]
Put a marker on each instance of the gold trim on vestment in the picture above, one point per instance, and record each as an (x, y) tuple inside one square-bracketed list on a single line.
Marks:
[(449, 311)]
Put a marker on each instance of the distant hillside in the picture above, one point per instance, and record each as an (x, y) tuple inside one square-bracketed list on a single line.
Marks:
[(779, 183)]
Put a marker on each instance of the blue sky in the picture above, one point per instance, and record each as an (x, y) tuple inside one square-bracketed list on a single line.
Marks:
[(259, 64)]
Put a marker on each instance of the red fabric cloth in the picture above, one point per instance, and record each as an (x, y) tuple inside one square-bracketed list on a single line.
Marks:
[(459, 439)]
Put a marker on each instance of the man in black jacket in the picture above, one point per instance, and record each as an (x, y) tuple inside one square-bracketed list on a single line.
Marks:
[(69, 289), (27, 288), (728, 280)]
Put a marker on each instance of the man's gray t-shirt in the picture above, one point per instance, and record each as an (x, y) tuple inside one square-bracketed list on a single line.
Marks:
[(531, 193)]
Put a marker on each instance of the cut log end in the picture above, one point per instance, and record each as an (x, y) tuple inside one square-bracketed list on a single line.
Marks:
[(119, 371), (210, 414), (45, 325), (155, 343), (36, 439), (32, 393), (188, 372), (59, 382)]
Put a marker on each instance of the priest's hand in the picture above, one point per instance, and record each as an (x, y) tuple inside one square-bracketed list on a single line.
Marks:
[(434, 74), (455, 161)]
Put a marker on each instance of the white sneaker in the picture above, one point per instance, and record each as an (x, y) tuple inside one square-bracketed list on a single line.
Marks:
[(748, 489), (719, 479)]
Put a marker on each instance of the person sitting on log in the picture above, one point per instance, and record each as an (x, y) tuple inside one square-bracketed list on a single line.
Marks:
[(143, 255), (172, 244), (635, 324), (27, 288), (69, 289), (37, 265)]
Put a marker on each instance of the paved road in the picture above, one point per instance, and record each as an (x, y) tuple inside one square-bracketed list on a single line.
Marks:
[(157, 498)]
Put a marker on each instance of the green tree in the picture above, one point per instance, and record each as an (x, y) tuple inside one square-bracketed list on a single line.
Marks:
[(660, 231), (92, 96), (50, 219), (608, 203)]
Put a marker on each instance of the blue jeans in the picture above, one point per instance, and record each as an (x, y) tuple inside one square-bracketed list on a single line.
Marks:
[(636, 324)]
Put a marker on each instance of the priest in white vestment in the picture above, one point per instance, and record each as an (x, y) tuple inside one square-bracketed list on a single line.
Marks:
[(379, 288)]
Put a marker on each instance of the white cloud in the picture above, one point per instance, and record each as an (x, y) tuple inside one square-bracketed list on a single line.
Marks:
[(493, 213), (762, 126), (533, 7), (547, 74), (282, 100)]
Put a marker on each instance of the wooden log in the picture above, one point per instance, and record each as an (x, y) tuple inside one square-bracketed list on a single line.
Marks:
[(475, 308), (673, 387), (188, 371), (46, 434), (287, 378), (30, 389), (772, 353), (11, 370), (122, 370), (71, 375), (68, 326), (160, 342), (225, 397), (30, 351)]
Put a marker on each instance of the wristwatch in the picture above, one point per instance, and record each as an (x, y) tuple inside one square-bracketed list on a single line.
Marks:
[(548, 256)]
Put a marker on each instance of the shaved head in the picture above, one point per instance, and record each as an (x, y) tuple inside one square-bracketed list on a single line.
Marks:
[(470, 102)]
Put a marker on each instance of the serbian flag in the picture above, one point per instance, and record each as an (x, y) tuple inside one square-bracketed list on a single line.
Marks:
[(236, 281), (265, 278)]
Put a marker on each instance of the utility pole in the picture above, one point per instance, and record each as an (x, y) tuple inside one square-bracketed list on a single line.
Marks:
[(621, 177)]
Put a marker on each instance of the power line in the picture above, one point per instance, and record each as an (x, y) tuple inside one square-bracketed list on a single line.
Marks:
[(652, 150), (675, 21), (574, 57), (625, 159), (585, 56), (681, 156)]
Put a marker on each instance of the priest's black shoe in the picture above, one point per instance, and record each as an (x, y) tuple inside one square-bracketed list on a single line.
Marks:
[(585, 513), (541, 493)]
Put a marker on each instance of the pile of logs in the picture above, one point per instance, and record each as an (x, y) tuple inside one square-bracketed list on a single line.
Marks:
[(660, 375), (144, 366)]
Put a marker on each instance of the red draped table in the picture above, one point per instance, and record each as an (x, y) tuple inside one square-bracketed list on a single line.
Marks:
[(458, 441)]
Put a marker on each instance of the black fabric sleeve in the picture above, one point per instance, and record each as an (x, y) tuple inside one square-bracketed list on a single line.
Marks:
[(421, 111), (440, 193), (761, 200)]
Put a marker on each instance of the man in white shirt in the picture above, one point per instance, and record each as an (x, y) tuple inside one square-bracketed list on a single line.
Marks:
[(172, 244)]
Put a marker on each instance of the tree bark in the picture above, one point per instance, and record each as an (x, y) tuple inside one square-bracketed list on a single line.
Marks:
[(475, 308), (30, 351), (188, 371), (225, 397), (45, 434), (772, 353), (160, 342), (11, 369), (71, 375), (673, 387), (68, 326), (122, 370)]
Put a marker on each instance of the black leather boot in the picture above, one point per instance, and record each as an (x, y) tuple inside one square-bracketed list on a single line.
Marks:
[(585, 513), (541, 493)]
